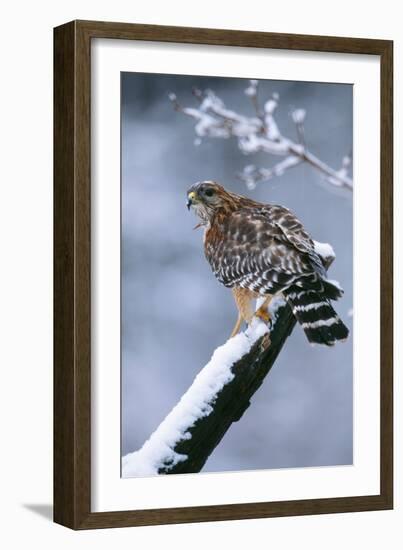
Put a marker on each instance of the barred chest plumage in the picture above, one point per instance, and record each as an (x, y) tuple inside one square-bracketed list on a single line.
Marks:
[(243, 250)]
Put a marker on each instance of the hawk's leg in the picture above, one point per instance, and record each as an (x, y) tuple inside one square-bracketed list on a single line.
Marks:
[(237, 326), (243, 299), (262, 312)]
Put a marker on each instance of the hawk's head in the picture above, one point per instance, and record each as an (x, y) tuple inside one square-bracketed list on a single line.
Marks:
[(208, 197)]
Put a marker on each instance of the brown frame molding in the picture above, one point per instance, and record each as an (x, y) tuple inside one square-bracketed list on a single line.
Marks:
[(72, 305)]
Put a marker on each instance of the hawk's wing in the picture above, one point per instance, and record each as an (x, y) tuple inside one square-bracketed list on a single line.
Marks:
[(295, 233), (263, 249)]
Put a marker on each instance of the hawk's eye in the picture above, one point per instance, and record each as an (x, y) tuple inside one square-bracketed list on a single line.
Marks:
[(209, 192)]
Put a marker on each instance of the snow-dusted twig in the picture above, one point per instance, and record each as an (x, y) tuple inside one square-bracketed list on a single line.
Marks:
[(219, 396), (259, 133), (252, 175), (298, 116)]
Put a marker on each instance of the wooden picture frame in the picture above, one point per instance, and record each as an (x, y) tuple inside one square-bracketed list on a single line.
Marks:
[(72, 271)]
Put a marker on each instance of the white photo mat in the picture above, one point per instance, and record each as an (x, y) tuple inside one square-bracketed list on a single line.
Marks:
[(109, 491)]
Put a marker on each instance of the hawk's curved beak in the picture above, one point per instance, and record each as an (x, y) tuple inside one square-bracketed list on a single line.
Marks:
[(191, 199)]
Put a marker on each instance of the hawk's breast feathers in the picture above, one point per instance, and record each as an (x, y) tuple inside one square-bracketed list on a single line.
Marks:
[(263, 249)]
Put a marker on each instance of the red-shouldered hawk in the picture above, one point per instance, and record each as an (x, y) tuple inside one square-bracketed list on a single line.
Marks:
[(260, 250)]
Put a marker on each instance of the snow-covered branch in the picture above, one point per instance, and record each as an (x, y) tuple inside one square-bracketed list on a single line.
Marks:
[(163, 452), (219, 396), (259, 133)]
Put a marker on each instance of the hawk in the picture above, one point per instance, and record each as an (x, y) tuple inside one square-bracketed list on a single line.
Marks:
[(260, 250)]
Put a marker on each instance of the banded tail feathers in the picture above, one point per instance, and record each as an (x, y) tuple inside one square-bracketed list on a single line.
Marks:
[(315, 313)]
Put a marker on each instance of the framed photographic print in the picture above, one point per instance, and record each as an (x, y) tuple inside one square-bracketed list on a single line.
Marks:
[(222, 275)]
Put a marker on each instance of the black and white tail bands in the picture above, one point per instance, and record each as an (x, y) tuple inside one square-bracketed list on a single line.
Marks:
[(315, 313)]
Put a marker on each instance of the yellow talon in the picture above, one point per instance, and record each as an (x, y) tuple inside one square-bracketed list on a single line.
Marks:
[(263, 314)]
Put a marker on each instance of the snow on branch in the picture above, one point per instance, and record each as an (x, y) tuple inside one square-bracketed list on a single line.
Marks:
[(219, 396), (259, 133)]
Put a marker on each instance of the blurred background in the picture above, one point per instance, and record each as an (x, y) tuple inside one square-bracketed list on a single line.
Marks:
[(175, 313)]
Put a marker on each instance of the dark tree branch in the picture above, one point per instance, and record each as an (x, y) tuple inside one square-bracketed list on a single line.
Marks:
[(234, 399)]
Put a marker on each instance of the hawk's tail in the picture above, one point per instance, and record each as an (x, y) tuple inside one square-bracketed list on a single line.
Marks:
[(313, 310)]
